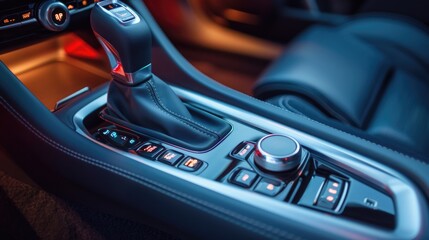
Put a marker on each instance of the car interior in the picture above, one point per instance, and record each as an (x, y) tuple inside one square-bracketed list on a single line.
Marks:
[(214, 119)]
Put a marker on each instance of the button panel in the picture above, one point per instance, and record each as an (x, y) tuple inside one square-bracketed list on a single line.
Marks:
[(125, 140), (320, 187), (330, 194), (118, 138)]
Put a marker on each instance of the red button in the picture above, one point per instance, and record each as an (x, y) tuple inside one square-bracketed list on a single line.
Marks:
[(150, 150)]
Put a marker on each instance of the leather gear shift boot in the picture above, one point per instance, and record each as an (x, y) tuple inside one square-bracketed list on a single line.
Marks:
[(153, 109)]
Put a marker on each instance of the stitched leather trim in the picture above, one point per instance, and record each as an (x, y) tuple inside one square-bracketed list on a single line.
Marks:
[(156, 99)]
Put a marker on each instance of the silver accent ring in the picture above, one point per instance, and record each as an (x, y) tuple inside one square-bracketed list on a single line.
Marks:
[(277, 163)]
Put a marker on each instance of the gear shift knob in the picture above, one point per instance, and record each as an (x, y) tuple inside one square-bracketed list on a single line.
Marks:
[(127, 40), (138, 100)]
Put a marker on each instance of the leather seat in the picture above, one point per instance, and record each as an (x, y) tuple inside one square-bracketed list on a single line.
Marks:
[(369, 76)]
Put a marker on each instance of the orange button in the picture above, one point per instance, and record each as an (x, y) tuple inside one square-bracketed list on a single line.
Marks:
[(9, 20), (191, 164), (26, 15)]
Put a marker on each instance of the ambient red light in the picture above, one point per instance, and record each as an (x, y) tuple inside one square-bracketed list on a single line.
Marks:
[(119, 69), (79, 48)]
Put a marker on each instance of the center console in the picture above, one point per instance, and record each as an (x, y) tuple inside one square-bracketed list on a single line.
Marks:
[(251, 154), (321, 177)]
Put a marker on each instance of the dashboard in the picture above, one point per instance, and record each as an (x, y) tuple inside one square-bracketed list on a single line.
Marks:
[(23, 22)]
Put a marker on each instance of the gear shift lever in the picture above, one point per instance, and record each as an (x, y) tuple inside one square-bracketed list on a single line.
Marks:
[(137, 99), (126, 39)]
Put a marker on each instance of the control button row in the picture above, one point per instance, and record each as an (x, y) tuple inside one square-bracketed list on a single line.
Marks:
[(156, 151), (246, 178), (118, 138), (16, 18)]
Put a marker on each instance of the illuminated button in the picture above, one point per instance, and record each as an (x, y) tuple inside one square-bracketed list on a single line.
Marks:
[(170, 157), (191, 164), (333, 191), (59, 16), (26, 15), (71, 6), (243, 150), (268, 187), (53, 15), (112, 136), (84, 3), (244, 178), (330, 194), (119, 138), (11, 19), (111, 6), (150, 150)]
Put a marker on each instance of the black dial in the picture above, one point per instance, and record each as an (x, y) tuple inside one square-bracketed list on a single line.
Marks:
[(54, 15)]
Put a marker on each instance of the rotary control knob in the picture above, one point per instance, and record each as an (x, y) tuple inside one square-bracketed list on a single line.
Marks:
[(54, 15), (278, 153)]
